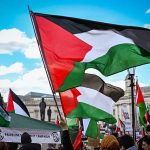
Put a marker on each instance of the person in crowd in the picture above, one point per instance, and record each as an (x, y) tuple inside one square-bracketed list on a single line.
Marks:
[(141, 140), (126, 142), (109, 142), (26, 143), (3, 146), (65, 137), (146, 143)]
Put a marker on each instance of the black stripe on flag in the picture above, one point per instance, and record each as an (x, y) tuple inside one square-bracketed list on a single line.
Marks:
[(140, 36), (95, 82)]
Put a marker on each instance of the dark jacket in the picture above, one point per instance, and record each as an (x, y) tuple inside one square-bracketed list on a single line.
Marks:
[(30, 146), (66, 141)]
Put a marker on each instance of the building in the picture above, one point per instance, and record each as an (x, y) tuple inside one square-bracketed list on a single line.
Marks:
[(125, 101), (32, 101)]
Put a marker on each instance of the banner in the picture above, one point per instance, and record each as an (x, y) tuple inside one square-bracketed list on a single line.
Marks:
[(37, 136), (127, 121)]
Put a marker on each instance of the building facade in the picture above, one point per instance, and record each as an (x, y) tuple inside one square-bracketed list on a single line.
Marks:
[(126, 102), (32, 101)]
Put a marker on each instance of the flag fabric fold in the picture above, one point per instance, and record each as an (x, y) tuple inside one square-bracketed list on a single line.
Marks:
[(70, 46), (93, 99), (141, 105), (16, 105), (90, 128)]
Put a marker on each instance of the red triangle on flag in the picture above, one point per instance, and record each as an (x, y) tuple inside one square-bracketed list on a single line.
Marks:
[(10, 104), (139, 95)]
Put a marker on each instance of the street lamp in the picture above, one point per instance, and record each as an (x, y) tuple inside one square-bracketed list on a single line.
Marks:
[(131, 73)]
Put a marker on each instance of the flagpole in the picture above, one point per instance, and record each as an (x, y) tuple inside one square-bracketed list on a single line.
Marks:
[(36, 32), (131, 77)]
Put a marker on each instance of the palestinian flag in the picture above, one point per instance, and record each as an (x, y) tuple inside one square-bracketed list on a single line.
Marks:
[(117, 129), (4, 118), (140, 104), (16, 105), (122, 125), (147, 118), (69, 46), (94, 99)]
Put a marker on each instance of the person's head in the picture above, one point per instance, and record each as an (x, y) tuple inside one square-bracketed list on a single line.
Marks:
[(25, 138), (42, 99), (125, 142), (148, 130), (146, 143), (109, 142)]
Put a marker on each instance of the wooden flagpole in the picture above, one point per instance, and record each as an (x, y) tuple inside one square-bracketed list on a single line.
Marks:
[(37, 34)]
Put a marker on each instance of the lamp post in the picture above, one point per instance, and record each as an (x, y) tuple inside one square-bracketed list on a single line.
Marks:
[(131, 73)]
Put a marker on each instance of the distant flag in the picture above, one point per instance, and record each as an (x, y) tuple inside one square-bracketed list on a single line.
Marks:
[(93, 99), (117, 129), (147, 118), (16, 105), (143, 132), (4, 118), (70, 46), (140, 104), (122, 125)]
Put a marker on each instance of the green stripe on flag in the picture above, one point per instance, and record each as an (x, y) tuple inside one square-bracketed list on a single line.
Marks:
[(118, 58), (92, 130), (93, 112)]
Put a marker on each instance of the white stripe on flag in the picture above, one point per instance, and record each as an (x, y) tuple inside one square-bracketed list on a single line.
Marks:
[(19, 110), (95, 99), (101, 41)]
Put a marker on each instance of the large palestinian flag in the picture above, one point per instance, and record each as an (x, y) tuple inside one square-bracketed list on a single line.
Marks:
[(69, 46), (16, 105), (94, 99)]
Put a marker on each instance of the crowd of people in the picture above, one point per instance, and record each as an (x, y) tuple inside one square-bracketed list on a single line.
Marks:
[(109, 142), (112, 142)]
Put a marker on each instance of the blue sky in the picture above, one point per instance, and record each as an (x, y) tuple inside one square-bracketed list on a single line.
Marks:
[(20, 64)]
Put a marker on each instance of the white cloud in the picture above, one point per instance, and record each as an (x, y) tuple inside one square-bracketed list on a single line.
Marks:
[(14, 68), (35, 80), (15, 40), (148, 11), (147, 26)]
